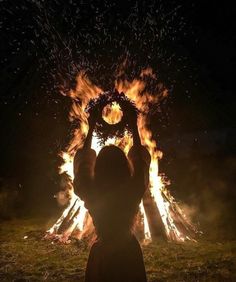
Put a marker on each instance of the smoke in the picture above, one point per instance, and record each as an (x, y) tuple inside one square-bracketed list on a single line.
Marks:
[(206, 186), (9, 198), (63, 197)]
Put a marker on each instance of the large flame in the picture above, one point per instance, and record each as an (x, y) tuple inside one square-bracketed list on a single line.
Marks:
[(136, 91)]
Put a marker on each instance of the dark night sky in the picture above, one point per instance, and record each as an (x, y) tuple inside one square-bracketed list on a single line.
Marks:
[(191, 44)]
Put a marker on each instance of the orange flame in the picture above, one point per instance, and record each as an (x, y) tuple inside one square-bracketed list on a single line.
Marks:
[(112, 113)]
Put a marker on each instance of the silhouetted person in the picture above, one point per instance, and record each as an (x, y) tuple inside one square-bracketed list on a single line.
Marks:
[(112, 187)]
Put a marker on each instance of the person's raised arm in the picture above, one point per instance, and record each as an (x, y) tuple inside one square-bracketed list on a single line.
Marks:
[(84, 162), (91, 122), (139, 158), (134, 129)]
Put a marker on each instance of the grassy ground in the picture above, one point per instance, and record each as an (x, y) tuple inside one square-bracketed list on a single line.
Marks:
[(33, 259)]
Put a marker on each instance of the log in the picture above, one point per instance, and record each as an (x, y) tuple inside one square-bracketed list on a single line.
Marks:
[(155, 223)]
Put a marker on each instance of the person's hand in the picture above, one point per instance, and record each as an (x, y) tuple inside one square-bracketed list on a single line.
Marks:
[(132, 116), (92, 119)]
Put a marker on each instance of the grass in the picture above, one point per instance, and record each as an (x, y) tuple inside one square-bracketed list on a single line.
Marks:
[(34, 259)]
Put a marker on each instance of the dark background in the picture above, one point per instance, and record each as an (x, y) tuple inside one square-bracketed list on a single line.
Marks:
[(189, 44)]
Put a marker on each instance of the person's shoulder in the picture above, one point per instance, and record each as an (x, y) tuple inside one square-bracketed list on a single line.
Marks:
[(139, 151), (85, 156), (86, 152)]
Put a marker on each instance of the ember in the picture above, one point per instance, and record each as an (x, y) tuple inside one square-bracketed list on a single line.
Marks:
[(160, 214)]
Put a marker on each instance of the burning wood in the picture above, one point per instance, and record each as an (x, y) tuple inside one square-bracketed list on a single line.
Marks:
[(161, 215), (154, 221)]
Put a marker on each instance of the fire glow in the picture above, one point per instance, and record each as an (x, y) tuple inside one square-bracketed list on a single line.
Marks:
[(176, 225)]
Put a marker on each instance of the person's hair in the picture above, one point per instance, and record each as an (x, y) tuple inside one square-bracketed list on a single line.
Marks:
[(112, 167)]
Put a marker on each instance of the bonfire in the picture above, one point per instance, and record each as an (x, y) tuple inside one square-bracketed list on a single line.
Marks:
[(160, 216)]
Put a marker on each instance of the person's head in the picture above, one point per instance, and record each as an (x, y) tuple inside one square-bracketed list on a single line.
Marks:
[(112, 166)]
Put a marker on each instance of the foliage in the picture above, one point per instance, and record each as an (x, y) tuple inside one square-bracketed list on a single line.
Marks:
[(103, 129)]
